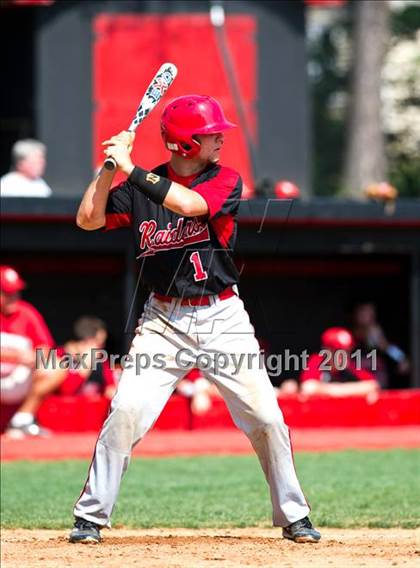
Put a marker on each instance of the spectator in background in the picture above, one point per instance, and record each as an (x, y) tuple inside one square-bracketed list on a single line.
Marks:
[(94, 376), (22, 330), (85, 375), (28, 163), (369, 335), (337, 376), (197, 388)]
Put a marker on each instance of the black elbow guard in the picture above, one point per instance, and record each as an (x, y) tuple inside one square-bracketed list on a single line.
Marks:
[(151, 185)]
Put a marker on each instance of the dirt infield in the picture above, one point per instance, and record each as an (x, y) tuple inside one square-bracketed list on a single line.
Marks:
[(211, 548), (197, 442)]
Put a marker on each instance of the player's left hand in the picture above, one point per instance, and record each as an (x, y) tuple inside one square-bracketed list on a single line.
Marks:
[(121, 155), (124, 137)]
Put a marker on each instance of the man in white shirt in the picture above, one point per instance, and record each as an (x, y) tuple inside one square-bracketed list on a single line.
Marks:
[(29, 161)]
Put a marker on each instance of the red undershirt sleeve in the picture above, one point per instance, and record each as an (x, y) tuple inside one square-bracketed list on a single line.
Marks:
[(118, 212), (222, 193)]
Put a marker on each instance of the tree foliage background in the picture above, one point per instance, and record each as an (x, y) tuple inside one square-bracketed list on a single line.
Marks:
[(330, 45)]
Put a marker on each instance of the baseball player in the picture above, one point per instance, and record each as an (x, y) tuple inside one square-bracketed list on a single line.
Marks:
[(337, 375), (22, 331), (183, 215)]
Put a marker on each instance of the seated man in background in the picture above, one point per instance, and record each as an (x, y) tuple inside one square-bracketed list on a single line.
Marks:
[(335, 373), (368, 334), (25, 179), (93, 376), (22, 331)]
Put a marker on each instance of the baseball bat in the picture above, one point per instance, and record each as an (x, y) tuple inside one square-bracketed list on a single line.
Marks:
[(158, 86)]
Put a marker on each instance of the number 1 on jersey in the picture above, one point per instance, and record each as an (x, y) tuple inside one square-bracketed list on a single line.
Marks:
[(199, 273)]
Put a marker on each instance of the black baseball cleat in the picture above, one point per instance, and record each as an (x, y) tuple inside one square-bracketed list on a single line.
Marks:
[(85, 532), (302, 531)]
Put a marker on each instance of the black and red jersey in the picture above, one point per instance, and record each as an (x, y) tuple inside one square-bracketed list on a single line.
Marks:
[(182, 256)]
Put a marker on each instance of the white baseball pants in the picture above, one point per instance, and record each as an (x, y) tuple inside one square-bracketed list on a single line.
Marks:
[(175, 334)]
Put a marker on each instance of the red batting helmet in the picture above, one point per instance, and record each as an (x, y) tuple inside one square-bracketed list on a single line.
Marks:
[(286, 190), (337, 338), (189, 115), (10, 281)]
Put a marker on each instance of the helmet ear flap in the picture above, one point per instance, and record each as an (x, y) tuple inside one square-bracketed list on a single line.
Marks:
[(189, 148), (186, 147), (195, 144)]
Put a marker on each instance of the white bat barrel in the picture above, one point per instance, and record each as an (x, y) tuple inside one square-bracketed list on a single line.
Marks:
[(159, 85)]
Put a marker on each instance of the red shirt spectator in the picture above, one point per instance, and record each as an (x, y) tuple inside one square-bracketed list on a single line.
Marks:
[(23, 324), (317, 370), (22, 330), (86, 373), (95, 381), (337, 375)]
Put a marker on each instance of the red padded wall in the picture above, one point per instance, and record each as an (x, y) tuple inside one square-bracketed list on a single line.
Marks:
[(129, 48)]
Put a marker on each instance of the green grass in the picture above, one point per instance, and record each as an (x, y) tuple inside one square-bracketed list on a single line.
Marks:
[(346, 489)]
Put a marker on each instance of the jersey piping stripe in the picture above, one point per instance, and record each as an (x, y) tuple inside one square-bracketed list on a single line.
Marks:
[(116, 220), (223, 226)]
